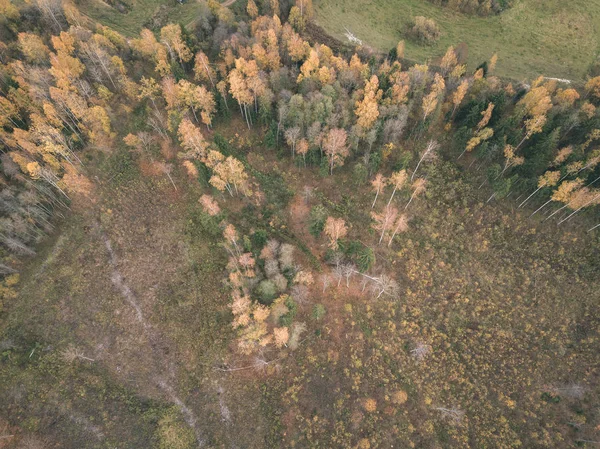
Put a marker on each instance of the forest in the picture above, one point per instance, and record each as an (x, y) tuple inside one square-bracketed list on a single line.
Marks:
[(238, 231)]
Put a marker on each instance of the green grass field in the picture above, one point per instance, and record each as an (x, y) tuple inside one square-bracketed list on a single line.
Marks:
[(550, 37), (141, 11)]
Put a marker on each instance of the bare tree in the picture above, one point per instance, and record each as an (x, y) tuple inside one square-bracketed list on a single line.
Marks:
[(307, 193), (71, 353), (421, 351), (454, 414), (326, 281), (349, 270), (385, 284), (428, 154)]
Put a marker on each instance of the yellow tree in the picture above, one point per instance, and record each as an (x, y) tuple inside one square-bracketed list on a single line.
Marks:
[(378, 185), (252, 9), (202, 69), (335, 229), (33, 48), (400, 50), (480, 136), (192, 140), (367, 109), (431, 100), (382, 222), (449, 61), (401, 225), (397, 180), (592, 87), (418, 187), (459, 94), (171, 36), (238, 85), (487, 115), (548, 179)]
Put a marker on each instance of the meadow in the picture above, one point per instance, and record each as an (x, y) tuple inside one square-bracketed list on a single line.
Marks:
[(533, 37)]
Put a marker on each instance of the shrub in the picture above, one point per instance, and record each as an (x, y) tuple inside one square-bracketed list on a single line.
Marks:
[(266, 291), (287, 319), (316, 220), (318, 311), (424, 30)]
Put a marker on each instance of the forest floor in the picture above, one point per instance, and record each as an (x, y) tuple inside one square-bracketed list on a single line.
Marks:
[(532, 38), (508, 306)]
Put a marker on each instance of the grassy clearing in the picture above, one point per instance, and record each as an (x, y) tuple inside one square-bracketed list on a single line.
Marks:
[(534, 37), (140, 12)]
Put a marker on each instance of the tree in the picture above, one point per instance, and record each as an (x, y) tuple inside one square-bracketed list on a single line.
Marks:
[(397, 179), (431, 100), (335, 147), (449, 61), (335, 229), (228, 173), (400, 50), (383, 221), (459, 94), (291, 137), (378, 184), (202, 69), (192, 141), (171, 36), (252, 9), (33, 48), (548, 179), (487, 114), (592, 87), (418, 187), (428, 154), (401, 225), (493, 62), (302, 148), (367, 109)]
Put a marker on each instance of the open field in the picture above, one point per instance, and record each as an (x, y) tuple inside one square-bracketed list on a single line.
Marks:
[(140, 12), (550, 37)]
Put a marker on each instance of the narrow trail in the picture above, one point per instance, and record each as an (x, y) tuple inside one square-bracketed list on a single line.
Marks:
[(153, 339), (228, 3)]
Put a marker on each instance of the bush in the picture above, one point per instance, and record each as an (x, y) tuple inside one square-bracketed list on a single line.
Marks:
[(266, 292), (286, 320), (424, 30), (319, 311), (316, 221)]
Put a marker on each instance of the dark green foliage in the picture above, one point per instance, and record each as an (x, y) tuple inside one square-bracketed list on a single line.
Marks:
[(200, 223), (259, 238), (223, 145), (316, 220), (550, 398), (266, 292), (288, 318), (270, 139), (359, 254)]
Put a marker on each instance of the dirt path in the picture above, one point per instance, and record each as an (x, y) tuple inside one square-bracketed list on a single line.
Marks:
[(153, 338), (228, 3)]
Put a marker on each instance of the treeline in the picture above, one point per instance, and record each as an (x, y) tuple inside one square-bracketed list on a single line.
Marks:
[(68, 85)]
